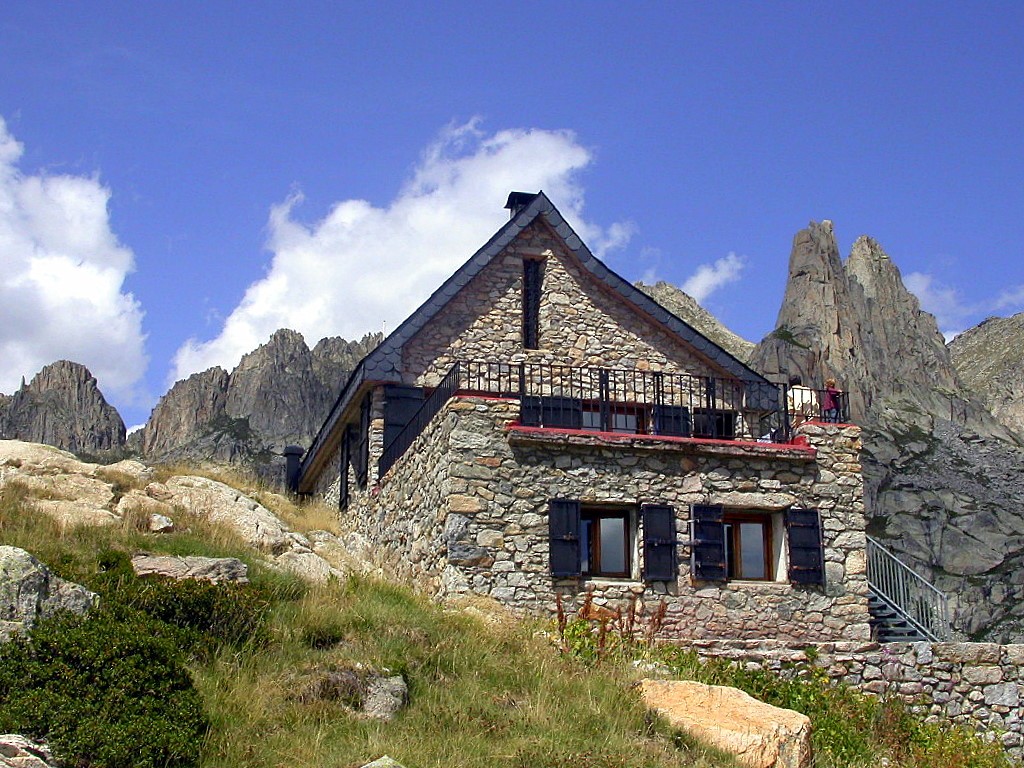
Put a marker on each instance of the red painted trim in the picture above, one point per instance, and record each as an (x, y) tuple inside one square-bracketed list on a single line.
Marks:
[(623, 437)]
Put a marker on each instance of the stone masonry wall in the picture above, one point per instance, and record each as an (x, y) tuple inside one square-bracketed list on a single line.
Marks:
[(482, 493), (979, 684), (580, 323), (405, 517)]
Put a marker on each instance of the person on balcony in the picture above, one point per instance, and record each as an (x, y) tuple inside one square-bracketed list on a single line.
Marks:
[(803, 402), (830, 402)]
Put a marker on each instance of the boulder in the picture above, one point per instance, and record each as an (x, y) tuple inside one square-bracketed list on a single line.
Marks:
[(385, 695), (223, 505), (384, 762), (19, 752), (215, 569), (19, 458), (374, 694), (757, 734), (137, 505), (29, 592)]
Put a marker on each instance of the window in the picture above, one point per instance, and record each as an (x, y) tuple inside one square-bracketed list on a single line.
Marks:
[(601, 540), (362, 457), (533, 277), (746, 544), (605, 542), (613, 417)]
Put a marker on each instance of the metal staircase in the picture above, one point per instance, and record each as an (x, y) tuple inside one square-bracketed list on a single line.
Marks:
[(904, 606)]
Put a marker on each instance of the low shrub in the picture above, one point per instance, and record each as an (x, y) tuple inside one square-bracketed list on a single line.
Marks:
[(107, 690), (200, 615)]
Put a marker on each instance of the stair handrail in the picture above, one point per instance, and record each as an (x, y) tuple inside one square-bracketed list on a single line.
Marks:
[(917, 600)]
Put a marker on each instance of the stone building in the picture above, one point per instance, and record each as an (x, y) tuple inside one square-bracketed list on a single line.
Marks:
[(542, 432)]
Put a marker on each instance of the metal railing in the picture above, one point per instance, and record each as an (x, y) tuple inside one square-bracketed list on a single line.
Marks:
[(633, 401), (612, 400), (919, 602), (448, 386)]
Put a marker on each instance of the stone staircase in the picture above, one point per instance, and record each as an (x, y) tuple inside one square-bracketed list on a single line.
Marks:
[(904, 606), (889, 624)]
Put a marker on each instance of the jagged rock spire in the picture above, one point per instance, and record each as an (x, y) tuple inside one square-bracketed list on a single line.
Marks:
[(858, 322), (62, 406)]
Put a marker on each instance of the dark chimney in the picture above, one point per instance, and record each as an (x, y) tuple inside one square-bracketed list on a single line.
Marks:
[(292, 457), (517, 201)]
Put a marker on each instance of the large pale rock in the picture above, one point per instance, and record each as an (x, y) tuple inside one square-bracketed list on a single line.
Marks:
[(19, 752), (71, 514), (308, 566), (350, 553), (255, 524), (758, 734), (223, 505), (29, 592), (18, 457), (139, 505), (215, 569), (384, 762)]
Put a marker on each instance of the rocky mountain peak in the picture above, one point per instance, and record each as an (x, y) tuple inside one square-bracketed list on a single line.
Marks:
[(62, 406), (685, 307), (819, 326), (278, 394), (989, 359)]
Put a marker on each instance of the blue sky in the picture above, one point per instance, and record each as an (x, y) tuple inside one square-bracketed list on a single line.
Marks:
[(178, 179)]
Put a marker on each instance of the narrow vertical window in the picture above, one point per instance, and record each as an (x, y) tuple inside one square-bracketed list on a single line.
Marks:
[(533, 274)]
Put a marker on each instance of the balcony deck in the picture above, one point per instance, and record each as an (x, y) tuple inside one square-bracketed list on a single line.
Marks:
[(579, 402)]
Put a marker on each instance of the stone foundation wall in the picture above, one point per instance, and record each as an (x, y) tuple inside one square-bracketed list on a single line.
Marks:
[(979, 684), (465, 511)]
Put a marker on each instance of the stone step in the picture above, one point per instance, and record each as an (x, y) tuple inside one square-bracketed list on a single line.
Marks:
[(888, 624)]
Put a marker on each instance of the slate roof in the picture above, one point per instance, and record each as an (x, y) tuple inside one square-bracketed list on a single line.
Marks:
[(384, 363)]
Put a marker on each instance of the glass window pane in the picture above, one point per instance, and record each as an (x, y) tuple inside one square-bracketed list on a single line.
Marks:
[(624, 422), (613, 545), (592, 420), (752, 551)]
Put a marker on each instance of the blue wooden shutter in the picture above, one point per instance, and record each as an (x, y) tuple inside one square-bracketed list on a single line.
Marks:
[(659, 522), (707, 526), (564, 537), (806, 548)]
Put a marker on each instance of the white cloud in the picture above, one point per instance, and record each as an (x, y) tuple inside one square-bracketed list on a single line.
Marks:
[(1011, 299), (710, 277), (363, 267), (952, 312), (62, 272)]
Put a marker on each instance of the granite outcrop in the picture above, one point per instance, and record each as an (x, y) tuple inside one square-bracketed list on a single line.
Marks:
[(940, 470), (277, 395), (62, 406)]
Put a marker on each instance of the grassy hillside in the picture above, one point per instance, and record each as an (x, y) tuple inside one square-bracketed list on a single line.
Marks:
[(491, 693)]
